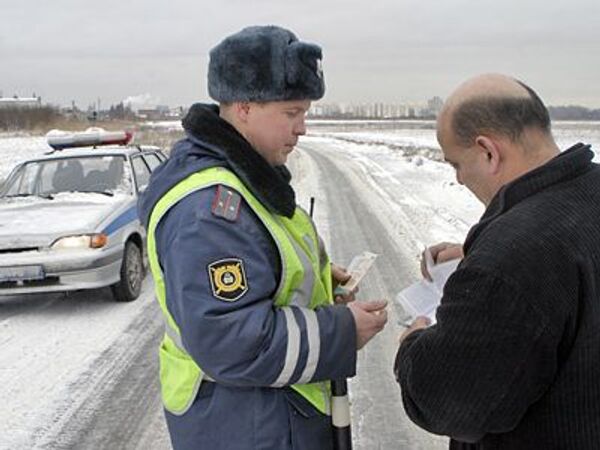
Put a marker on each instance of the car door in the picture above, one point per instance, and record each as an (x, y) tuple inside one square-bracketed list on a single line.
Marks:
[(152, 160)]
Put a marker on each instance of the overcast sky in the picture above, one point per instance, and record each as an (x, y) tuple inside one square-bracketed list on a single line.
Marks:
[(385, 51)]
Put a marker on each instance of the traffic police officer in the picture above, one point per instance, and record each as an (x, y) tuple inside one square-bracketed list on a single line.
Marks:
[(241, 275)]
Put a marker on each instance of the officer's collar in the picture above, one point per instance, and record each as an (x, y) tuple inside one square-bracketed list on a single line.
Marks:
[(271, 185)]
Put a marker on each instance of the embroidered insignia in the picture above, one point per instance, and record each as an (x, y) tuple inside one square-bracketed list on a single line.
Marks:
[(228, 279), (226, 203)]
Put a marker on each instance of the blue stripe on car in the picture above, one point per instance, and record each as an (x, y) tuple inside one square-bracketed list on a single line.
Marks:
[(120, 221)]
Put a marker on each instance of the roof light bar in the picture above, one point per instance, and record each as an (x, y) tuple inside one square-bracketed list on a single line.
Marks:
[(92, 137)]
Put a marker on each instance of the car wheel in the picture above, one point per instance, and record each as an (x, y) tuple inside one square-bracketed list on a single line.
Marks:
[(132, 274)]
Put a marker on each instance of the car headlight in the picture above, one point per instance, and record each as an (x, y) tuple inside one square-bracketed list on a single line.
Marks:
[(83, 241)]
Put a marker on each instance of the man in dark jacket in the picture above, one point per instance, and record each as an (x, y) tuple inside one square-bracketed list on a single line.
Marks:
[(513, 362), (252, 334)]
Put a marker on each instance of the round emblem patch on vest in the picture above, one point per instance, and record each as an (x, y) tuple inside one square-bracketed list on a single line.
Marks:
[(228, 279)]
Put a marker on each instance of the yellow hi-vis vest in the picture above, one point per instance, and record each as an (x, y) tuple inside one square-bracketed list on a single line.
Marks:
[(304, 269)]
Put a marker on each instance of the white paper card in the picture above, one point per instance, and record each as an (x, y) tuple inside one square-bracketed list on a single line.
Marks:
[(423, 297), (358, 268)]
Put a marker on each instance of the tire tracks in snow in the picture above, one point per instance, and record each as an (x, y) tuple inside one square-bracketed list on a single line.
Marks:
[(360, 218), (112, 404)]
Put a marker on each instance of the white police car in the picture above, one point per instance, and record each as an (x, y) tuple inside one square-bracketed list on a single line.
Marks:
[(68, 220)]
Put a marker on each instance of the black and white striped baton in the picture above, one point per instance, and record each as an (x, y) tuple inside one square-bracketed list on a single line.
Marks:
[(340, 415)]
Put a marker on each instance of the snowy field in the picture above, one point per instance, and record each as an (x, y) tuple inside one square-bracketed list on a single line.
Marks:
[(14, 149), (378, 187), (408, 136), (420, 135)]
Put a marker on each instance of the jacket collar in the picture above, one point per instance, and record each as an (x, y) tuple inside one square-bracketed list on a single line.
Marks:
[(271, 185), (567, 165)]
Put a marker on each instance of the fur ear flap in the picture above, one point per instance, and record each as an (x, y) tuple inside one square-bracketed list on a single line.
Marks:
[(303, 63)]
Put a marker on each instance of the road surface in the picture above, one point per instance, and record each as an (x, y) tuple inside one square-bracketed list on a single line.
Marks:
[(79, 371)]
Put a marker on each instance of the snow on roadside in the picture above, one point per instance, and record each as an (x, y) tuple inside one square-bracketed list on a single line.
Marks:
[(48, 347), (15, 149), (406, 138), (307, 185), (415, 186), (568, 133), (420, 137), (164, 125)]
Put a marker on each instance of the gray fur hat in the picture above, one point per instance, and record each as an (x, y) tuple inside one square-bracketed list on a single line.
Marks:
[(265, 63)]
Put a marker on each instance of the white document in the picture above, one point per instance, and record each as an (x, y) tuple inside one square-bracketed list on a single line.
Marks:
[(423, 297), (358, 268)]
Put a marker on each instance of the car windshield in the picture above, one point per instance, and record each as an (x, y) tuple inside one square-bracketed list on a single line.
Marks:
[(45, 178)]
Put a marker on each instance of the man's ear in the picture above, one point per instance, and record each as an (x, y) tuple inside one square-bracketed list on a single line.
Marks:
[(491, 151), (242, 111)]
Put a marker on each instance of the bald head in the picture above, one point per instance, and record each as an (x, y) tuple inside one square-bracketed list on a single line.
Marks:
[(488, 85), (493, 104)]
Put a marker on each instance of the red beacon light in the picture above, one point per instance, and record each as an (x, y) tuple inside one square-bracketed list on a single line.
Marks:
[(92, 137)]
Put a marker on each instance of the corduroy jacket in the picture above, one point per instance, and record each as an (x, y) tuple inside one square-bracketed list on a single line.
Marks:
[(514, 360)]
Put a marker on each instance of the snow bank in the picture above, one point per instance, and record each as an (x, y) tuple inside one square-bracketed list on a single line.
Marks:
[(15, 149)]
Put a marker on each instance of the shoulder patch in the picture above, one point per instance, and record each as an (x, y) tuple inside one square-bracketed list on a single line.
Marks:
[(226, 203), (228, 279)]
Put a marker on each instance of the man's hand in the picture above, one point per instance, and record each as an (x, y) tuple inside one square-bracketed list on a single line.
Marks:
[(369, 318), (419, 323), (339, 276), (442, 252)]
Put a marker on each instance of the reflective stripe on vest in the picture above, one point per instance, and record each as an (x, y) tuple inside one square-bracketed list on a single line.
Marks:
[(305, 282)]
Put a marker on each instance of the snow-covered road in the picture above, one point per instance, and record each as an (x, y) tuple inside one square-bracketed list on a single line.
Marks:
[(79, 371), (372, 198), (67, 360)]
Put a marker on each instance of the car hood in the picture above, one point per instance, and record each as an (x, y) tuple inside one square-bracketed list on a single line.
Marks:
[(34, 222)]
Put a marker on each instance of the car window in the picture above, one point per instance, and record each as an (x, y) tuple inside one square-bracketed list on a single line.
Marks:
[(100, 174), (22, 181), (152, 160), (47, 172), (141, 172)]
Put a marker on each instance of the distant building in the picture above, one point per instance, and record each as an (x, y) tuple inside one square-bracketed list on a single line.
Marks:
[(160, 112), (20, 102), (434, 105), (373, 110), (324, 110), (149, 114)]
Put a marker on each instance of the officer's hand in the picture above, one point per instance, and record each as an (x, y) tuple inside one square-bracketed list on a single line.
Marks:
[(339, 275), (369, 318), (442, 252)]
